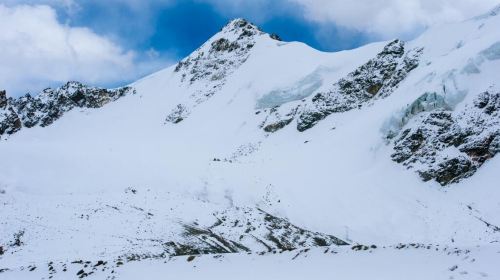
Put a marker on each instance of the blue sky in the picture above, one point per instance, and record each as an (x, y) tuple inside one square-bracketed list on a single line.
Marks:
[(178, 27), (113, 42)]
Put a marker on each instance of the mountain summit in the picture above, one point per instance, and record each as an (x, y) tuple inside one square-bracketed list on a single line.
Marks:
[(207, 68)]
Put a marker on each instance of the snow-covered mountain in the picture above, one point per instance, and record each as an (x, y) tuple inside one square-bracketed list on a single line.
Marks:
[(251, 144)]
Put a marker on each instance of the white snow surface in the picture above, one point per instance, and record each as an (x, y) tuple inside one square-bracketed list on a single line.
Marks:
[(59, 184), (430, 262)]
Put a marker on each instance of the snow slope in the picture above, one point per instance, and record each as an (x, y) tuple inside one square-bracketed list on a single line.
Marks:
[(125, 179)]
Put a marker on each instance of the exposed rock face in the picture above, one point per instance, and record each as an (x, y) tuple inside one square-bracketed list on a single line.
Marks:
[(449, 146), (51, 104), (3, 99), (206, 69), (9, 121), (178, 114), (247, 230), (377, 78)]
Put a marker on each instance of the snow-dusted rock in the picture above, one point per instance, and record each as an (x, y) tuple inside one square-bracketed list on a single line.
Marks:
[(48, 106), (9, 120), (377, 78), (247, 230), (447, 145), (206, 69)]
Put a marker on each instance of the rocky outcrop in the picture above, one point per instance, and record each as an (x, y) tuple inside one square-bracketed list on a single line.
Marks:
[(247, 230), (178, 114), (51, 104), (9, 120), (377, 78), (448, 146), (3, 99)]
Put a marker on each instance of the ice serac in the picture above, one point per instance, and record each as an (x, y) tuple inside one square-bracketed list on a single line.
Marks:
[(51, 104), (206, 70), (377, 78)]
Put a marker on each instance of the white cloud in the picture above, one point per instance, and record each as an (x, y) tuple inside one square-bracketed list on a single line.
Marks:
[(388, 18), (36, 50)]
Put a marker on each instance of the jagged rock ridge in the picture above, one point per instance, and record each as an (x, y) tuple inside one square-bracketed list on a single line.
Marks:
[(377, 78), (48, 106)]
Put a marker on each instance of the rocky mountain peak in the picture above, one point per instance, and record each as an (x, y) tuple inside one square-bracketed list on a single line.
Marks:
[(209, 66), (240, 26), (72, 85), (243, 28)]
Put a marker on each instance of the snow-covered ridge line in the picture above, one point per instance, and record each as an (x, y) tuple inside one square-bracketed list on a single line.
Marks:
[(51, 104), (375, 79)]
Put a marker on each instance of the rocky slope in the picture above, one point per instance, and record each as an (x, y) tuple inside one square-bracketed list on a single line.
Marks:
[(248, 230), (206, 69), (448, 145), (9, 120), (377, 78), (51, 104)]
